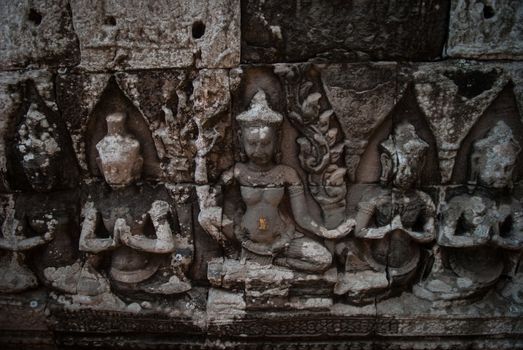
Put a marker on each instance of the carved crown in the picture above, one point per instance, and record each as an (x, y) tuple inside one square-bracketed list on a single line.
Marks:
[(406, 142), (259, 113), (500, 135)]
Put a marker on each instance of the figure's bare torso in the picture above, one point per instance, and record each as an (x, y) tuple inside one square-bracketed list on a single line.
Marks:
[(262, 193), (262, 219)]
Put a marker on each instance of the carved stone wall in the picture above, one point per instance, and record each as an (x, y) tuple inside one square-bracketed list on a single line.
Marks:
[(261, 174)]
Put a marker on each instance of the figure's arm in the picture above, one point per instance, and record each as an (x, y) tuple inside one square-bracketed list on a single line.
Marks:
[(300, 210), (164, 241), (29, 243), (281, 242), (17, 243), (5, 244), (447, 232), (305, 221), (366, 211), (211, 217), (88, 240), (428, 233), (514, 240), (510, 243)]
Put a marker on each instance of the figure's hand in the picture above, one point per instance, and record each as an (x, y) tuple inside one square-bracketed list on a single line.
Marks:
[(159, 210), (281, 243), (257, 248), (497, 240), (374, 233), (121, 232), (482, 233), (341, 231), (507, 243), (396, 223), (49, 236), (90, 211)]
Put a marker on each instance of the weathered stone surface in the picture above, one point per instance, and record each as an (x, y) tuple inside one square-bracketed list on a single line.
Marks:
[(173, 34), (173, 110), (452, 99), (37, 33), (23, 94), (325, 194), (342, 30), (415, 316), (362, 106), (486, 29), (515, 70)]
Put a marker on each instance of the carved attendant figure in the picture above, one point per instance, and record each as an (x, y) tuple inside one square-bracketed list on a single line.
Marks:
[(41, 220), (391, 222), (15, 276), (478, 231), (140, 260), (266, 234)]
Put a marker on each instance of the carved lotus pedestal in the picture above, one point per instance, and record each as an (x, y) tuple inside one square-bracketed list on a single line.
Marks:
[(256, 287)]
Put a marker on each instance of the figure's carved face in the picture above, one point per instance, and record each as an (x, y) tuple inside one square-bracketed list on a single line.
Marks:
[(259, 143), (38, 147), (40, 171), (120, 173), (405, 171), (403, 156), (496, 166)]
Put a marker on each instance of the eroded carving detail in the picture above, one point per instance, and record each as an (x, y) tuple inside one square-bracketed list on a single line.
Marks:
[(452, 100), (320, 146), (16, 276), (139, 239), (481, 230), (391, 223)]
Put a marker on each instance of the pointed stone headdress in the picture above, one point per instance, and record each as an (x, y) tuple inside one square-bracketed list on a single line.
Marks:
[(499, 144), (404, 140), (402, 146), (499, 135), (259, 113)]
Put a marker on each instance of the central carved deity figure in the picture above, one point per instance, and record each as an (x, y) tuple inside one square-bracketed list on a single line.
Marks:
[(267, 233)]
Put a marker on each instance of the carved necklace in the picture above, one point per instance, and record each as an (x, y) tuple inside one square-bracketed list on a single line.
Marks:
[(259, 172)]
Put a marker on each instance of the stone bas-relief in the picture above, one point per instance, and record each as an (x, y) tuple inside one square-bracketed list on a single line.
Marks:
[(267, 236), (285, 231), (140, 239), (480, 234), (16, 275), (320, 144), (236, 173), (391, 222)]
